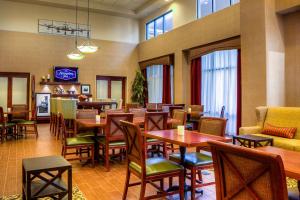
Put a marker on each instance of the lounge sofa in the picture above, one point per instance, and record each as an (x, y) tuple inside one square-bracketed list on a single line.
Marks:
[(277, 116)]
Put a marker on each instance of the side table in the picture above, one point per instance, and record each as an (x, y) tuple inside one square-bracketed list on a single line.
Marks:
[(249, 140), (42, 177)]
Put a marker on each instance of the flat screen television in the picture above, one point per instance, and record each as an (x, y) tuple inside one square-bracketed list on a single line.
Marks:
[(65, 74)]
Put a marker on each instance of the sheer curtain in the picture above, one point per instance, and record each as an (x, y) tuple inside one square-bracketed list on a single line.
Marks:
[(155, 83), (219, 85)]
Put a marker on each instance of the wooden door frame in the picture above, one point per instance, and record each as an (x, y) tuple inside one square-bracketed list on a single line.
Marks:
[(113, 78), (10, 76)]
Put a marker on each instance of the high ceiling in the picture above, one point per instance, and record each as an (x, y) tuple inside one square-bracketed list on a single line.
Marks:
[(126, 4), (125, 8)]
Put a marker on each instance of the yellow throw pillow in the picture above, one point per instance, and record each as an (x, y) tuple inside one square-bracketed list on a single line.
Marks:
[(286, 132)]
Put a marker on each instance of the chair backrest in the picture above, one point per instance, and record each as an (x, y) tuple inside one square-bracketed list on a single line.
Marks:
[(151, 105), (2, 119), (212, 126), (120, 104), (19, 107), (156, 121), (135, 145), (138, 112), (222, 112), (243, 173), (172, 108), (131, 105), (179, 115), (86, 113), (113, 130), (196, 110), (68, 108)]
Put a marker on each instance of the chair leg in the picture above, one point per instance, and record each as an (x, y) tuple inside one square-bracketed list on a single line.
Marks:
[(92, 155), (126, 184), (170, 182), (143, 190), (181, 185), (107, 158), (36, 131), (161, 182), (193, 183), (199, 175), (62, 150)]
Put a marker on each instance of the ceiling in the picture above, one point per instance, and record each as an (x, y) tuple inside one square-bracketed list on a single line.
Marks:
[(124, 8)]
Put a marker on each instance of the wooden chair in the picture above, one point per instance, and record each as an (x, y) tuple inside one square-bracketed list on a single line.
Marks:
[(138, 112), (172, 108), (180, 116), (18, 117), (77, 144), (131, 105), (154, 107), (113, 138), (85, 114), (148, 170), (196, 161), (243, 173), (196, 111), (29, 126), (5, 126), (156, 121)]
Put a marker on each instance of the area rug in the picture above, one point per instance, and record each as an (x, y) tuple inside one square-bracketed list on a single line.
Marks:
[(77, 195)]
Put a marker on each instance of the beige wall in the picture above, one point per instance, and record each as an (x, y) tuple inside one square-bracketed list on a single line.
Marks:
[(37, 54), (24, 17), (292, 61), (220, 25), (184, 11)]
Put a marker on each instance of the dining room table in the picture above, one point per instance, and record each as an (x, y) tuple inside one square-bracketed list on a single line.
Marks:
[(290, 160), (187, 140)]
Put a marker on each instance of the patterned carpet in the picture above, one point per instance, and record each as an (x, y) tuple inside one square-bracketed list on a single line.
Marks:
[(77, 195)]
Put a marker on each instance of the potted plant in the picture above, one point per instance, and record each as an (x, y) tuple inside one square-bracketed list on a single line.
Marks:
[(137, 89)]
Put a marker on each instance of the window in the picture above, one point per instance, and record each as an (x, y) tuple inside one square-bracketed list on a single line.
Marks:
[(219, 85), (110, 87), (206, 7), (155, 83), (160, 25)]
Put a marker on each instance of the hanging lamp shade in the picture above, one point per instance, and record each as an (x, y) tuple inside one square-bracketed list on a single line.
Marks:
[(87, 47), (75, 55)]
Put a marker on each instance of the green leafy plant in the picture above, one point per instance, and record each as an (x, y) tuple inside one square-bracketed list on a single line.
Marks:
[(137, 88)]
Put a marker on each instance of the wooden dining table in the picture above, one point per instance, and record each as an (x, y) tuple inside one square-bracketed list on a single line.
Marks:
[(290, 159), (189, 139)]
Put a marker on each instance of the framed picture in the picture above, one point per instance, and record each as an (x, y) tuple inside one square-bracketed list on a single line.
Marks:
[(43, 104), (85, 89)]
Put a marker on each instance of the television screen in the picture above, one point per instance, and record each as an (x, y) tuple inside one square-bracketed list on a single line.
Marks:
[(65, 74)]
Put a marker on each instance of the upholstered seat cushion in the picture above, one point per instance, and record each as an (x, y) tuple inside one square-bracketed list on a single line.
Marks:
[(8, 124), (86, 134), (26, 122), (194, 158), (102, 141), (285, 143), (18, 120), (156, 166), (78, 141)]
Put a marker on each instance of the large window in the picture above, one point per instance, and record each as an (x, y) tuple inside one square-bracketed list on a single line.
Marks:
[(155, 83), (219, 85), (206, 7), (160, 25), (111, 87)]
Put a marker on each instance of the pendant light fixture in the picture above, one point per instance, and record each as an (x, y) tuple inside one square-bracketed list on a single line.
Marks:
[(88, 46), (76, 54)]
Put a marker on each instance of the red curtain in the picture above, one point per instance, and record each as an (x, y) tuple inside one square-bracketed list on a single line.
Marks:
[(239, 92), (196, 81), (166, 97), (144, 72)]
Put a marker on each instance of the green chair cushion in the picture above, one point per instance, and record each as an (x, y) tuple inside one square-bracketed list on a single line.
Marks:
[(85, 134), (156, 166), (17, 120), (151, 140), (102, 141), (27, 122), (8, 124), (194, 158), (79, 141)]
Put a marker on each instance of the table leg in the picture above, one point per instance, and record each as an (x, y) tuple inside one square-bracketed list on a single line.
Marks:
[(96, 145), (70, 184)]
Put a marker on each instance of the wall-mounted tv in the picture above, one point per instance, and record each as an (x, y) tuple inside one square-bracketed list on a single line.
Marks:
[(65, 74)]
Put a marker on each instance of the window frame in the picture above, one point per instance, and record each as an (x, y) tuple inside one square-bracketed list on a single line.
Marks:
[(213, 7), (113, 78), (154, 24)]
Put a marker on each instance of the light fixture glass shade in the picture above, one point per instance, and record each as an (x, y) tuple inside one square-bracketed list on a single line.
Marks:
[(75, 55), (87, 47)]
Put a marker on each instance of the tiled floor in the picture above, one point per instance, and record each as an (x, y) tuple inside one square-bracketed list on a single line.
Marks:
[(95, 183)]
